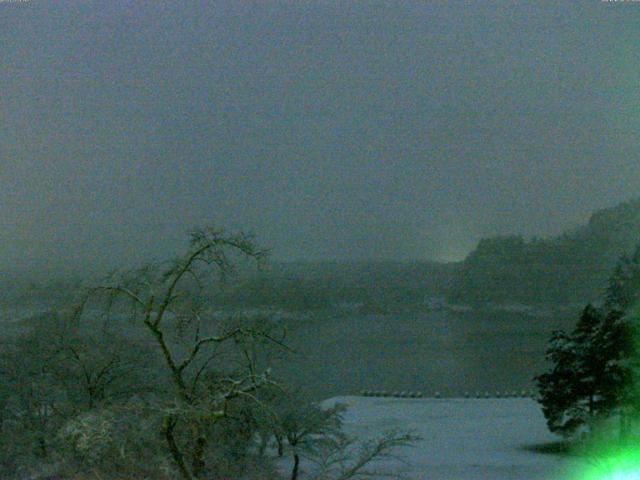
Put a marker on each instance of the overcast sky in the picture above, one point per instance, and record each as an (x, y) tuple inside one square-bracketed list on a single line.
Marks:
[(333, 130)]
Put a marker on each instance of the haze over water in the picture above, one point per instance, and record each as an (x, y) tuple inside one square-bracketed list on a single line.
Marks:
[(335, 131)]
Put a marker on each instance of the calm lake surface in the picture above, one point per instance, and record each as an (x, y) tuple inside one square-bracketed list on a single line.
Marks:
[(445, 352)]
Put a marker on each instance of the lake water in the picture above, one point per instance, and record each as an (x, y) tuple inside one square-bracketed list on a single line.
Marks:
[(445, 352)]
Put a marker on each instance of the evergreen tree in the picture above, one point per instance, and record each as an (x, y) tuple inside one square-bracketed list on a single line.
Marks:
[(557, 386), (571, 392), (594, 369), (621, 334), (590, 363)]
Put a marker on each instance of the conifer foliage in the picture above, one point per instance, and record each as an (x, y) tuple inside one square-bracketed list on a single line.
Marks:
[(593, 372)]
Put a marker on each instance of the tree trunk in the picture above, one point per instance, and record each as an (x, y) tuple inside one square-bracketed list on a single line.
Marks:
[(198, 463), (42, 444), (296, 466), (280, 445), (264, 438), (167, 428)]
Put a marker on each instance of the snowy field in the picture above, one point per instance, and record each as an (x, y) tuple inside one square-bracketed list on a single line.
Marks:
[(462, 439)]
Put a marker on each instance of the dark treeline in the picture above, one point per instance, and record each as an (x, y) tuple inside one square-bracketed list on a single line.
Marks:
[(570, 268), (367, 286)]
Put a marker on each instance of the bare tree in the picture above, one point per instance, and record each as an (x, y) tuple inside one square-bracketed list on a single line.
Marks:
[(308, 431), (300, 426), (196, 348), (344, 458)]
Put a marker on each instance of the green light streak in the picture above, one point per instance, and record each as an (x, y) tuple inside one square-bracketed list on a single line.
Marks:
[(624, 464)]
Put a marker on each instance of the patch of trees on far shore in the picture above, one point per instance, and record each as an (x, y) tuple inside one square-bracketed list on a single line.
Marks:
[(571, 268)]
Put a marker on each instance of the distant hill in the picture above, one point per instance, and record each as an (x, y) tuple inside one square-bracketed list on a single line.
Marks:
[(572, 267)]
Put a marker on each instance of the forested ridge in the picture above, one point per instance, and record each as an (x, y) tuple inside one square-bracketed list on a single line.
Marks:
[(570, 268)]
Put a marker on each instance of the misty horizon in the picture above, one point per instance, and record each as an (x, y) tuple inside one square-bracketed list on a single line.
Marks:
[(403, 132)]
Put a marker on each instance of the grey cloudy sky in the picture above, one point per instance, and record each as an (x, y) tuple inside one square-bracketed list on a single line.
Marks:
[(333, 130)]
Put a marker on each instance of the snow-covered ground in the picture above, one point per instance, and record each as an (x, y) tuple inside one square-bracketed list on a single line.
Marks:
[(462, 439)]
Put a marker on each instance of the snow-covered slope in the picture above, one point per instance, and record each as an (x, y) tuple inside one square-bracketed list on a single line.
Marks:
[(474, 439)]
